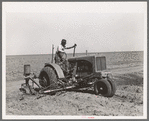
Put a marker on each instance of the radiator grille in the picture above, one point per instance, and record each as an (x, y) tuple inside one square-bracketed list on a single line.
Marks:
[(101, 63)]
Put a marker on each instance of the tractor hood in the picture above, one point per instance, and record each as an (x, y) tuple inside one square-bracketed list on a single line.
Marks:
[(98, 62), (87, 58)]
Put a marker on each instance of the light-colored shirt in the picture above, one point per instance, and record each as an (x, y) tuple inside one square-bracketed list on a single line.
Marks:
[(61, 48)]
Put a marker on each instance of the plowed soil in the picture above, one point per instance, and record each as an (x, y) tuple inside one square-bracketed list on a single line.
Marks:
[(128, 100)]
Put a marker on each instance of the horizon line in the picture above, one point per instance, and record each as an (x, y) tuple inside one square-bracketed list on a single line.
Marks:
[(76, 53)]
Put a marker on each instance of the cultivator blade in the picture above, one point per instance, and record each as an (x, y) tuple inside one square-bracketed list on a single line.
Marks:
[(22, 90), (27, 89), (30, 86)]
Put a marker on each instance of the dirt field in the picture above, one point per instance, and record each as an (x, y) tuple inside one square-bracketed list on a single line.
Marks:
[(128, 100)]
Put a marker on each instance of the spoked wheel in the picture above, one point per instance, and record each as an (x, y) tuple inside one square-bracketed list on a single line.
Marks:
[(102, 87), (64, 56), (59, 57)]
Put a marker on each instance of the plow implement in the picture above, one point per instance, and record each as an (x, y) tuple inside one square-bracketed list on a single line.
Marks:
[(32, 87)]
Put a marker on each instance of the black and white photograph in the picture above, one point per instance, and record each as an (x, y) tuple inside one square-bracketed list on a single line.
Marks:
[(74, 60)]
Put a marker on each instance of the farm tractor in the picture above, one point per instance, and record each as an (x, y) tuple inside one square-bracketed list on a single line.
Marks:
[(84, 71)]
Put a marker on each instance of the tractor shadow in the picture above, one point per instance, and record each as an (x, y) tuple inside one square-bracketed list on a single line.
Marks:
[(82, 90), (58, 93)]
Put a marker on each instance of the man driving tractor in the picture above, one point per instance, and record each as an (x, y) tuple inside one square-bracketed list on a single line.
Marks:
[(60, 56)]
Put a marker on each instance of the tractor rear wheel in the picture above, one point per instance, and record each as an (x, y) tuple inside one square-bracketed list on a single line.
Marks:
[(102, 87), (48, 77)]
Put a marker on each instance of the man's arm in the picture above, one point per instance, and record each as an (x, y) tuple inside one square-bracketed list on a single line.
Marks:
[(71, 47)]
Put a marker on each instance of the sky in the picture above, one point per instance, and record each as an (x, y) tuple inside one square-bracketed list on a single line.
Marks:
[(32, 28)]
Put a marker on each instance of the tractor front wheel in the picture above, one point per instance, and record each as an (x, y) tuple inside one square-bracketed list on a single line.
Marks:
[(102, 87), (113, 87)]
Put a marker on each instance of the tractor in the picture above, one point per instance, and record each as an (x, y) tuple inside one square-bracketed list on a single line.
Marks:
[(84, 71)]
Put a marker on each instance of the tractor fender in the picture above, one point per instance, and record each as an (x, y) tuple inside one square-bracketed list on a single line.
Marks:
[(57, 69)]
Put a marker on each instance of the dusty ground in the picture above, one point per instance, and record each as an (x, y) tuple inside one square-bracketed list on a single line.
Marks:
[(128, 100)]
